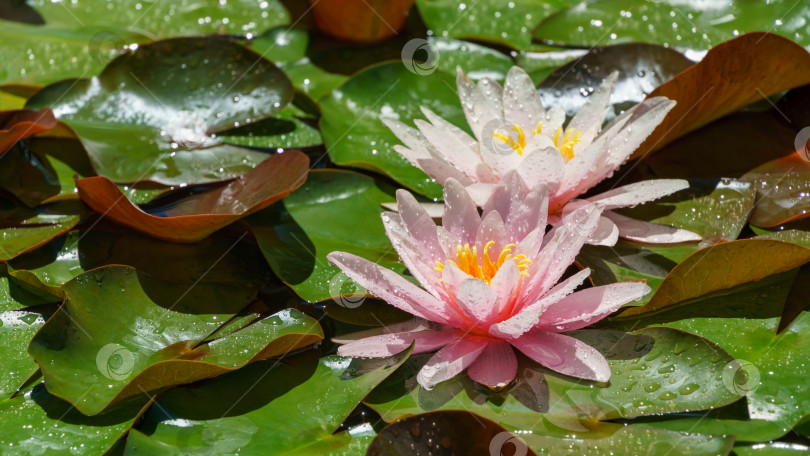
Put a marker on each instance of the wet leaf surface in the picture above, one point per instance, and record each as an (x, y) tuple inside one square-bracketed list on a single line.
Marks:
[(488, 20), (687, 26), (26, 229), (174, 217), (295, 240), (267, 408), (39, 422), (641, 68), (79, 38), (17, 327), (170, 113), (122, 334), (784, 190), (355, 136)]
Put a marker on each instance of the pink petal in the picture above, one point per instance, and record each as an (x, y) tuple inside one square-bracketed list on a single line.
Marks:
[(531, 213), (506, 196), (450, 361), (504, 284), (420, 227), (590, 305), (639, 192), (393, 343), (563, 247), (559, 291), (521, 104), (469, 142), (393, 288), (479, 108), (420, 267), (564, 354), (641, 231), (589, 118), (480, 192), (606, 233), (461, 214), (450, 147), (496, 366), (477, 300), (555, 116), (491, 229), (440, 171), (546, 165), (417, 146)]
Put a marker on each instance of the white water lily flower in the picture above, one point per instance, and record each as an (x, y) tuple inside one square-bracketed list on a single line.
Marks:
[(513, 131)]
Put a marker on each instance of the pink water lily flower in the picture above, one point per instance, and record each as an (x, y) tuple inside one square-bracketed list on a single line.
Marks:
[(489, 286), (514, 132)]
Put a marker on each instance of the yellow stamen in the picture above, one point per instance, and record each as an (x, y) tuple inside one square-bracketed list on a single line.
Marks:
[(518, 145), (566, 145), (468, 261)]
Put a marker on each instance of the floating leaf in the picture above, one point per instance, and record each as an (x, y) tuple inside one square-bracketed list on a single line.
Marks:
[(719, 268), (288, 407), (78, 38), (641, 67), (445, 432), (38, 423), (122, 333), (295, 240), (17, 327), (542, 63), (687, 26), (716, 210), (489, 20), (772, 365), (194, 217), (355, 136), (21, 124), (24, 229), (784, 190), (290, 128), (733, 74), (152, 114)]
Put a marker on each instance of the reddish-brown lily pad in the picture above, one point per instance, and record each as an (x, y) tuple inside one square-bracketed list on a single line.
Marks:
[(733, 74), (23, 123), (784, 190), (195, 217)]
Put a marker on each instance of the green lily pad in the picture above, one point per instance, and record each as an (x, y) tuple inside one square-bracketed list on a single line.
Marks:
[(79, 38), (355, 136), (291, 128), (488, 20), (772, 364), (477, 61), (653, 371), (285, 407), (17, 327), (169, 103), (540, 64), (771, 449), (39, 423), (122, 333), (695, 26), (26, 229), (295, 240)]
